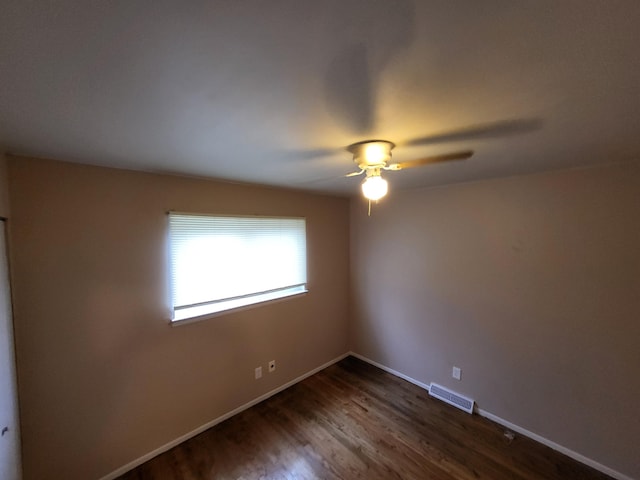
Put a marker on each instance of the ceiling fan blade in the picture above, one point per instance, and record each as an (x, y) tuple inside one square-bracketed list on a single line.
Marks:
[(354, 174), (428, 160), (309, 154), (477, 132), (349, 90)]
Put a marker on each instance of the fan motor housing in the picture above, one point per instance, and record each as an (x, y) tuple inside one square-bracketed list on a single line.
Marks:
[(371, 153)]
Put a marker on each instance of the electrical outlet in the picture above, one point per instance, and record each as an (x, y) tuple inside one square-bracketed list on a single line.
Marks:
[(272, 366), (456, 373), (258, 372)]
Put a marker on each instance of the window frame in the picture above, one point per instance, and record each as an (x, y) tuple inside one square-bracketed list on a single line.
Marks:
[(259, 298)]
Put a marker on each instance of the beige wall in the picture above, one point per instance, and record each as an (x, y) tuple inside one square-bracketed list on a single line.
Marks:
[(104, 379), (531, 285)]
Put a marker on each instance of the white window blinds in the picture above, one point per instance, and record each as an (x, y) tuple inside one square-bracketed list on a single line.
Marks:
[(222, 262)]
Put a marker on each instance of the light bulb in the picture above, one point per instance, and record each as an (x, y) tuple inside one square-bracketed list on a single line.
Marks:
[(374, 187)]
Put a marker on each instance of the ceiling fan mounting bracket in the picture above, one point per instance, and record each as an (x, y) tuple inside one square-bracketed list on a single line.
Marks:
[(371, 154)]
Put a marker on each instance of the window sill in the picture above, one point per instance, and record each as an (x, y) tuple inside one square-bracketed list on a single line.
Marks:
[(197, 314)]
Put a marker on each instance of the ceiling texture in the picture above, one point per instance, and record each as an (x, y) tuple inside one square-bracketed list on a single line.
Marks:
[(272, 91)]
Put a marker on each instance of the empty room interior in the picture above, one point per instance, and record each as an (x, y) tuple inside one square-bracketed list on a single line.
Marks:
[(296, 239)]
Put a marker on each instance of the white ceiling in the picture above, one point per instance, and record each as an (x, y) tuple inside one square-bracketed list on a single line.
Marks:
[(271, 91)]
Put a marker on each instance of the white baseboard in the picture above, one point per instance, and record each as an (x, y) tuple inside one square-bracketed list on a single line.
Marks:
[(545, 441), (390, 370), (168, 446), (523, 431)]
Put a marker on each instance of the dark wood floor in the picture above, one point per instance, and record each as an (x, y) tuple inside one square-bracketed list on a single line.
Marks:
[(354, 421)]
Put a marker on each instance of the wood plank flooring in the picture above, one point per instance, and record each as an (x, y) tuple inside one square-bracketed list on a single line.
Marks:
[(354, 421)]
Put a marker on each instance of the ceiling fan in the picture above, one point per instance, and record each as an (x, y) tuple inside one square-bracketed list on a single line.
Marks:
[(373, 156), (351, 84)]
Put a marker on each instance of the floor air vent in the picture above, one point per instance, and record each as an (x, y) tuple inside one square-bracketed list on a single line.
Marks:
[(452, 398)]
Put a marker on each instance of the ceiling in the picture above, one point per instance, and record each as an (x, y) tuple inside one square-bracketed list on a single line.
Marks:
[(272, 91)]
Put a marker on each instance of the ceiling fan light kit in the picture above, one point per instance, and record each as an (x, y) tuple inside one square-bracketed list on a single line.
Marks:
[(374, 187)]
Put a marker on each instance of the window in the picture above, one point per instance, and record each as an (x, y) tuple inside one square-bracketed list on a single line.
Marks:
[(220, 262)]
